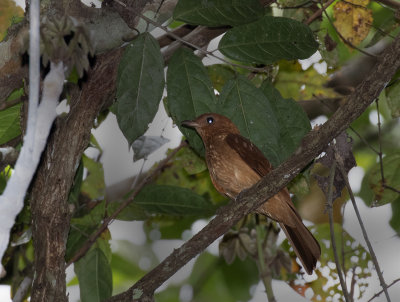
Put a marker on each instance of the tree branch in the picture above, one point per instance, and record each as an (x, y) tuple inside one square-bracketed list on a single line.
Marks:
[(54, 178), (312, 145)]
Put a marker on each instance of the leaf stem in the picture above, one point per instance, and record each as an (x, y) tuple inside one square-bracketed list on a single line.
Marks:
[(265, 272), (364, 232), (332, 232)]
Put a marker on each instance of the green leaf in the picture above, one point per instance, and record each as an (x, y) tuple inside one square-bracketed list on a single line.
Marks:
[(252, 113), (170, 227), (214, 13), (395, 220), (293, 122), (268, 40), (95, 276), (78, 234), (391, 168), (93, 218), (294, 82), (220, 74), (190, 92), (73, 196), (9, 123), (163, 199), (130, 213), (191, 162), (214, 280), (93, 185), (393, 99), (179, 173), (140, 84)]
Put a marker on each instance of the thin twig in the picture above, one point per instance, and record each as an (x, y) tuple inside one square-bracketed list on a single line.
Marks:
[(380, 142), (178, 38), (379, 293), (364, 232), (265, 272), (92, 239), (391, 3), (318, 13), (332, 232), (364, 140), (380, 154)]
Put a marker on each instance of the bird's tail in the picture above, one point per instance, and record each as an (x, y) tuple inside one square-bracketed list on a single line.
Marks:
[(304, 244)]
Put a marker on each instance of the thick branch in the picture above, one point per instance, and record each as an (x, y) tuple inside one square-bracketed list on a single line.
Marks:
[(312, 145), (50, 190)]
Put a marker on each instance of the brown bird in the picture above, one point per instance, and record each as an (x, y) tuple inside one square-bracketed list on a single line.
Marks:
[(235, 164)]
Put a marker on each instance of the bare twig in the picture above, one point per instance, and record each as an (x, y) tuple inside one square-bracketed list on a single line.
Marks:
[(379, 293), (380, 142), (318, 13), (332, 232), (265, 272), (92, 239), (380, 154), (364, 232), (391, 3), (364, 140)]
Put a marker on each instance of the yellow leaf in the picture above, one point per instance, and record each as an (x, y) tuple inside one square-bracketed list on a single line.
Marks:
[(353, 20), (8, 11)]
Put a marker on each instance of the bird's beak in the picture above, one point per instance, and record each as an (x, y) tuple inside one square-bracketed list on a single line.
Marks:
[(190, 124)]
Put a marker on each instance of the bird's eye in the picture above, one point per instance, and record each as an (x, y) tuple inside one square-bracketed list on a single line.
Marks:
[(210, 120)]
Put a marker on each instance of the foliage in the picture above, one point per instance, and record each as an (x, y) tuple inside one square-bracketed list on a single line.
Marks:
[(258, 86)]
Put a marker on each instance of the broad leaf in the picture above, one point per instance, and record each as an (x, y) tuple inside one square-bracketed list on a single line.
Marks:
[(268, 40), (9, 123), (95, 276), (293, 122), (190, 92), (294, 82), (140, 85), (218, 12), (220, 74), (77, 237), (93, 185), (353, 19), (189, 171), (252, 113), (224, 282), (129, 213), (164, 199)]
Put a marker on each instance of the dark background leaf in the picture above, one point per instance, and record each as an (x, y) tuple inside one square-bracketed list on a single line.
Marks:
[(218, 12), (268, 40), (190, 92), (140, 84), (95, 276)]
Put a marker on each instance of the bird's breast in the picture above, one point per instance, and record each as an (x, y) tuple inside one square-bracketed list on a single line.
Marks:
[(229, 172)]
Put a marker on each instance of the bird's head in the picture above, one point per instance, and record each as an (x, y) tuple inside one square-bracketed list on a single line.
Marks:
[(211, 124)]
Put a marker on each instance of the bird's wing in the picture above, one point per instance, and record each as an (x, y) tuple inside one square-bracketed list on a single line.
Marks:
[(280, 206), (250, 154)]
